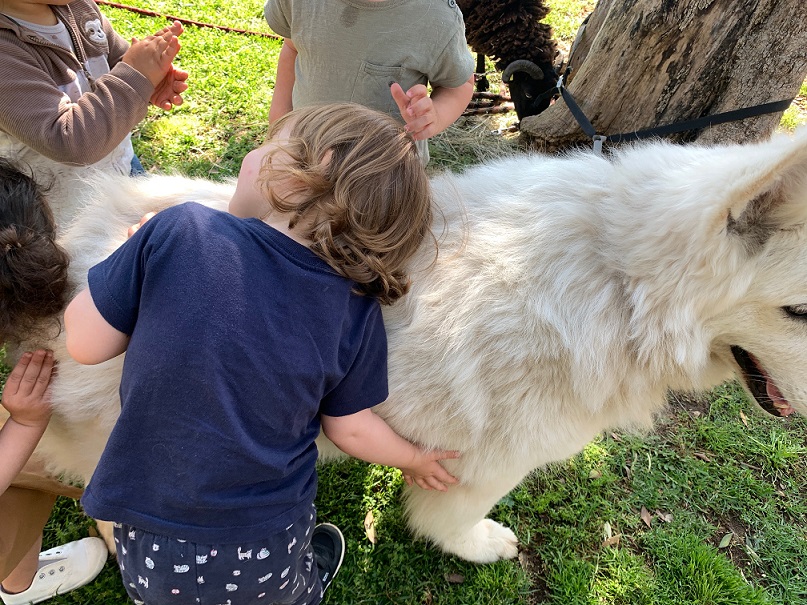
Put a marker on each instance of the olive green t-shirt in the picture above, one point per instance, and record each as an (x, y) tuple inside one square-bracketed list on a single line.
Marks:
[(352, 50)]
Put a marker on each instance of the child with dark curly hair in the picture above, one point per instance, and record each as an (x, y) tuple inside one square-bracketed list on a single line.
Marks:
[(245, 333), (28, 295), (73, 90), (33, 267), (34, 289)]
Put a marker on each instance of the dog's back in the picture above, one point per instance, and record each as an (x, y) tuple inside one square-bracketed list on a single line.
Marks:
[(568, 296)]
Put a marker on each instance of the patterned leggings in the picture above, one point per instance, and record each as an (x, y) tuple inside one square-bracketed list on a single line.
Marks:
[(279, 569)]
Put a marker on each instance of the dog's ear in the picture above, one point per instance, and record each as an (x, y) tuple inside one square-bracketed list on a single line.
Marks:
[(768, 188)]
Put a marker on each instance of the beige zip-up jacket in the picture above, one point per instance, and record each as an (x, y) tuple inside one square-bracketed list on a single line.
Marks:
[(61, 137)]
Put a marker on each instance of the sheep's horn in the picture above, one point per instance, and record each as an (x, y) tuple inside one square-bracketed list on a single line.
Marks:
[(522, 65)]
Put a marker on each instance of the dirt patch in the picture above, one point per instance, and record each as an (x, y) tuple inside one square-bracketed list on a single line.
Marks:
[(734, 546), (696, 404), (534, 567)]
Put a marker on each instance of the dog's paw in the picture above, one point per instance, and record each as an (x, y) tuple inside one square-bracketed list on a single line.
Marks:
[(487, 542)]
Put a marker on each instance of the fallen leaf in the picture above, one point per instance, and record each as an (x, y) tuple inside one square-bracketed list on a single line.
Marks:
[(369, 526), (743, 419), (726, 540), (607, 532), (702, 456), (612, 541), (645, 516), (666, 517), (696, 414), (455, 578), (594, 474)]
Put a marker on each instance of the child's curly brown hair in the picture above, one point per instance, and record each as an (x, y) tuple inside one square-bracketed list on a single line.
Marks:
[(33, 267), (357, 175)]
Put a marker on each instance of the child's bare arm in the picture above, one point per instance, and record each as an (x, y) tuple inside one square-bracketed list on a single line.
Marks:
[(284, 81), (365, 435), (41, 116), (425, 115), (90, 338), (25, 398)]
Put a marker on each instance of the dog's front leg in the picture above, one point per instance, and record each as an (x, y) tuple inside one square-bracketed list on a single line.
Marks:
[(455, 520)]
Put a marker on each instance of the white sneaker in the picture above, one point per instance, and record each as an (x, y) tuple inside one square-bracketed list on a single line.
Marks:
[(61, 570)]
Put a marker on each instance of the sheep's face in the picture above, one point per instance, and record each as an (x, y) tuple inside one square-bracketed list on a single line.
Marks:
[(527, 92)]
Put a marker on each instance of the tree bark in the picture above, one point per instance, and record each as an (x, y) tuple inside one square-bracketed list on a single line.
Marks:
[(639, 64)]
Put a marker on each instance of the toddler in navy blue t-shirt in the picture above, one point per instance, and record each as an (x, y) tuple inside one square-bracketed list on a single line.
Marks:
[(245, 333)]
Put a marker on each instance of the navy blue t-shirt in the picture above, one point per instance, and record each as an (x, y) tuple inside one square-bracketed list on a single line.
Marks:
[(240, 337)]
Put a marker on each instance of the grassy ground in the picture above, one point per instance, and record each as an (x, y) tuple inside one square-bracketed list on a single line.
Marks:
[(711, 509)]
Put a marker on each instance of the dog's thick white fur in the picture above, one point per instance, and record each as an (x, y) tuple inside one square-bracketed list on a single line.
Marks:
[(569, 295)]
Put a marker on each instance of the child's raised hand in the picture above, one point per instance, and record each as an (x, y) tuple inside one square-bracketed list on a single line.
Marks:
[(25, 393), (426, 472), (168, 93), (153, 56), (417, 110)]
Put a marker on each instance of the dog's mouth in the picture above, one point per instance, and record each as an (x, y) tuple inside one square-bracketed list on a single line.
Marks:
[(766, 393)]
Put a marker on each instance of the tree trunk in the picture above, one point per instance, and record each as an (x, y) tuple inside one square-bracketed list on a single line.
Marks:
[(639, 64)]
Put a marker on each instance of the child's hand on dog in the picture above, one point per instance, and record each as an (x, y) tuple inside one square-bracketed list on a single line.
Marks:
[(27, 399), (367, 436), (143, 220), (25, 394), (426, 472)]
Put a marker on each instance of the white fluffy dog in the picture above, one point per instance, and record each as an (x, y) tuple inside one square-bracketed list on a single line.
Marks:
[(569, 295)]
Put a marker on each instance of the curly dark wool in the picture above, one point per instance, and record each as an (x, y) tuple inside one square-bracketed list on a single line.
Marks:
[(508, 30), (33, 267)]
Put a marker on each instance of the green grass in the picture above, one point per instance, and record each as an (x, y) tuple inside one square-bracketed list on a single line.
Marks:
[(226, 107), (727, 502)]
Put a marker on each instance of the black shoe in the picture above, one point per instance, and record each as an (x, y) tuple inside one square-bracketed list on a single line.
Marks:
[(329, 550)]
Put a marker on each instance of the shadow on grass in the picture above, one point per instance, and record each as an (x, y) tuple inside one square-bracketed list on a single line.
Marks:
[(396, 569)]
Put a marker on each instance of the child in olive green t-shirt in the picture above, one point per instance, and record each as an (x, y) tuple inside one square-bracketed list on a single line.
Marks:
[(379, 53)]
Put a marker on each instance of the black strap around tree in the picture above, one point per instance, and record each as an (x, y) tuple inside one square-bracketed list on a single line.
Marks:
[(703, 122), (696, 124)]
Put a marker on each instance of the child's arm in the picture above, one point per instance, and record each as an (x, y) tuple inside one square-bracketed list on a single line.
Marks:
[(284, 81), (425, 115), (37, 113), (365, 435), (90, 338), (24, 396)]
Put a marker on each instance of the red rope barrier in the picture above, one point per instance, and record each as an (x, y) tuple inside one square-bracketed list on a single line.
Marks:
[(142, 11)]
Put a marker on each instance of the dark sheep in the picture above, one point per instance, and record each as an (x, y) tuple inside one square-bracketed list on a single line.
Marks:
[(521, 47)]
